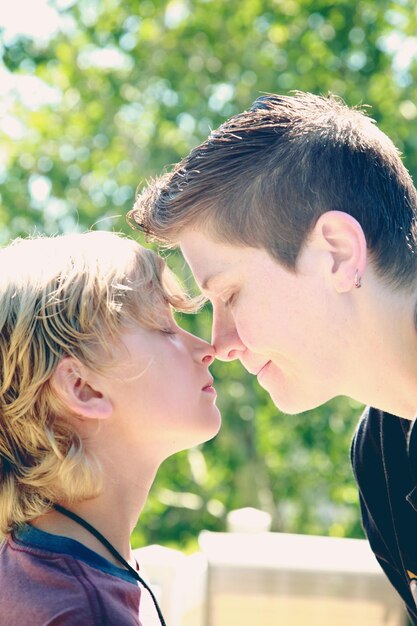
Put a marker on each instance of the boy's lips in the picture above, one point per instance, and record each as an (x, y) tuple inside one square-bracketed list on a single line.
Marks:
[(209, 386)]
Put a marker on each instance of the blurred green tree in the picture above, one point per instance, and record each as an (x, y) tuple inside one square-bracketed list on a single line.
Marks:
[(121, 89)]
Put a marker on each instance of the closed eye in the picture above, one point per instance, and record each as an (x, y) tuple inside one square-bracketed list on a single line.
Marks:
[(170, 327), (169, 331), (230, 300)]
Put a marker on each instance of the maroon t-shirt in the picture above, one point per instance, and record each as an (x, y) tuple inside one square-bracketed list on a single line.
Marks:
[(46, 580)]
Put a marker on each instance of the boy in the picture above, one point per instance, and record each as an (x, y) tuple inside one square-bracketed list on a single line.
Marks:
[(299, 222), (98, 386)]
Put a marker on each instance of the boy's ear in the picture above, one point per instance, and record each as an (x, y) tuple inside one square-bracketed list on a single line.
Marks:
[(79, 390), (342, 237)]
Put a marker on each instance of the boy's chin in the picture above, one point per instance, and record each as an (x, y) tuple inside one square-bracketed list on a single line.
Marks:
[(208, 433), (200, 435)]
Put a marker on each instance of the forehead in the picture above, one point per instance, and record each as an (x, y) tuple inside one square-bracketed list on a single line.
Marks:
[(213, 262)]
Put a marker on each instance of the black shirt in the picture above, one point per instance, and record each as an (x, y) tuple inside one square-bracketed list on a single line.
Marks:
[(384, 461)]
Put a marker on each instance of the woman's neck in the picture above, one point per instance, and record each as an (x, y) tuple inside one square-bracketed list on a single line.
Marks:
[(385, 342)]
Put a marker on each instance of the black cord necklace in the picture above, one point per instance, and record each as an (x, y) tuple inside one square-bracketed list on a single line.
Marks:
[(79, 520)]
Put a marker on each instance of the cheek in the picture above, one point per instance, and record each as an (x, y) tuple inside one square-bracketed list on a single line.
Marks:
[(261, 327), (250, 327)]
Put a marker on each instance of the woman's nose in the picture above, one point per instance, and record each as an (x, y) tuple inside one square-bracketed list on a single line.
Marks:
[(225, 338)]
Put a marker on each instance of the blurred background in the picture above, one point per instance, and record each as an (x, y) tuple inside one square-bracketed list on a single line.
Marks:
[(97, 96)]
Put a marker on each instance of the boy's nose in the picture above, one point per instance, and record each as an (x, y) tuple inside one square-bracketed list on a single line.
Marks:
[(207, 352), (208, 359), (202, 350)]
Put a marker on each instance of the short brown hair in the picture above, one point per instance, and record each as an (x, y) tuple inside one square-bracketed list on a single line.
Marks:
[(266, 175), (64, 296)]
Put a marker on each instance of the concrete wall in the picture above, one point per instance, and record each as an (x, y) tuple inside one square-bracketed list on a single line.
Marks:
[(269, 579)]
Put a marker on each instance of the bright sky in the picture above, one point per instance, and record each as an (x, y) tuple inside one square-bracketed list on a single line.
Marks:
[(34, 18), (41, 20)]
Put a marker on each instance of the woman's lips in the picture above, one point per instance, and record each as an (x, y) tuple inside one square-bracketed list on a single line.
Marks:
[(262, 371)]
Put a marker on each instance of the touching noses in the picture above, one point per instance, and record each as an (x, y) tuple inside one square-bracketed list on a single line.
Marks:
[(205, 352), (225, 338)]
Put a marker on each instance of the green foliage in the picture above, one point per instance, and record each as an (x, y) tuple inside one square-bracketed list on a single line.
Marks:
[(132, 86)]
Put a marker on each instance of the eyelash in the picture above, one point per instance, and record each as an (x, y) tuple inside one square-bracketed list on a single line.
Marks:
[(168, 331)]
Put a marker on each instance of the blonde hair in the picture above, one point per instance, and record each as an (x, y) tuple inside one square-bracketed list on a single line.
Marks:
[(64, 296)]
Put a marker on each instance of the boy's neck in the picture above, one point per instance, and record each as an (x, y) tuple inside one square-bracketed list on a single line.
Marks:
[(114, 514)]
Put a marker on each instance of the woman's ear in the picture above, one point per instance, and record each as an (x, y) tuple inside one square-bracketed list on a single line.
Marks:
[(342, 237), (79, 390)]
